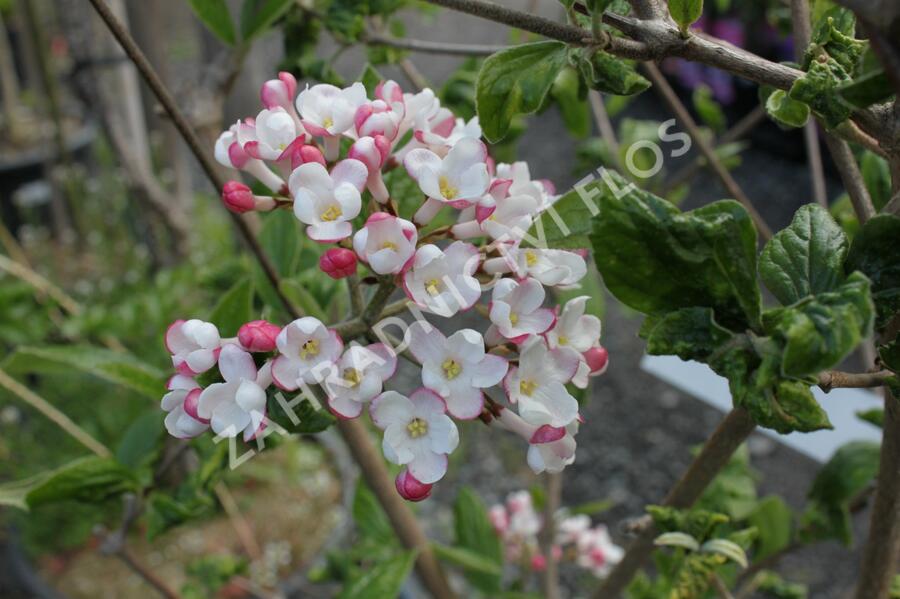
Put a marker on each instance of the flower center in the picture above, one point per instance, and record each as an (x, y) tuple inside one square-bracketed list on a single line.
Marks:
[(352, 377), (563, 340), (447, 189), (433, 287), (389, 245), (527, 387), (328, 122), (451, 368), (513, 318), (417, 428), (309, 349), (530, 258), (332, 213)]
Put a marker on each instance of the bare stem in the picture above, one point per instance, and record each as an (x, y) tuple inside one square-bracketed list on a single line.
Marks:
[(834, 379), (851, 176), (718, 449), (677, 107), (239, 523), (604, 125), (553, 495), (146, 574), (429, 47)]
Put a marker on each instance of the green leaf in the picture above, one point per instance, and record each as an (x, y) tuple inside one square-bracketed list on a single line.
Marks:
[(689, 333), (116, 367), (88, 480), (695, 522), (515, 81), (655, 258), (775, 586), (849, 471), (819, 331), (234, 309), (370, 519), (140, 443), (677, 539), (607, 73), (729, 549), (786, 110), (874, 416), (890, 355), (806, 258), (258, 15), (863, 91), (685, 12), (708, 109), (876, 175), (467, 559), (565, 225), (575, 112), (345, 19), (280, 237), (818, 88), (876, 253), (475, 533), (382, 580), (214, 14), (370, 78), (300, 296), (773, 521)]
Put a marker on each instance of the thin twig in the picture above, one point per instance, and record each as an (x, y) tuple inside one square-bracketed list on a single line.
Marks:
[(681, 113), (552, 496), (720, 587), (604, 125), (834, 379), (238, 522), (57, 417), (716, 452), (851, 177), (41, 284), (190, 137), (148, 575), (429, 47)]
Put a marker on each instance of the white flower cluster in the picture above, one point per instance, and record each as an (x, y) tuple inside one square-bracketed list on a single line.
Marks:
[(519, 525), (320, 153)]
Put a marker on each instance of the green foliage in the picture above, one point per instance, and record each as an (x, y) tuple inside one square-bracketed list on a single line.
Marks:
[(708, 109), (210, 573), (774, 586), (370, 519), (685, 12), (257, 16), (786, 110), (516, 81), (876, 253), (849, 471), (381, 580), (87, 480), (566, 91), (214, 14), (773, 520), (474, 533), (689, 333), (234, 308), (140, 444), (606, 73), (468, 560)]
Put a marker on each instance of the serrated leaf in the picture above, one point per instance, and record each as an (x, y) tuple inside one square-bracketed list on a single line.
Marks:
[(818, 88), (467, 559), (677, 539), (214, 14), (727, 548), (608, 74), (234, 308), (475, 533), (786, 110), (116, 367), (685, 12), (257, 16), (806, 258), (515, 81), (876, 253), (689, 333), (819, 331), (89, 480), (381, 580), (655, 258)]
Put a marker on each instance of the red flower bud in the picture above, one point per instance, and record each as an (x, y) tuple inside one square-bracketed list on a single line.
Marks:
[(411, 489), (338, 263), (258, 335), (237, 197), (597, 359)]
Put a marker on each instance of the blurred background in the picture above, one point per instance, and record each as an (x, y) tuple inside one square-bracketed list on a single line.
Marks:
[(110, 232)]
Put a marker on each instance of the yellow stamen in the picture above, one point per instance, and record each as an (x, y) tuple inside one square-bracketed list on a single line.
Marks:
[(451, 368), (310, 349), (352, 377), (527, 387), (433, 287), (563, 340), (389, 245), (328, 122), (530, 258), (447, 190), (333, 212), (513, 318), (417, 428)]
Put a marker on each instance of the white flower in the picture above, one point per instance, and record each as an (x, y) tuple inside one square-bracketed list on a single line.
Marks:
[(441, 281), (459, 179), (538, 387), (231, 154), (274, 132), (597, 552), (516, 309), (280, 92), (327, 202), (456, 367), (378, 117), (358, 377), (511, 218), (417, 432), (194, 345), (307, 352), (578, 332), (442, 131), (570, 528), (326, 110), (238, 404), (386, 243), (181, 404), (550, 449), (550, 267)]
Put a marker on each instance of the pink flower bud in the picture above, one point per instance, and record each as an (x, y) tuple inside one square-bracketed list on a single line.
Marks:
[(237, 197), (338, 263), (547, 434), (538, 562), (279, 92), (258, 335), (389, 91), (597, 359), (411, 489), (191, 401), (306, 153), (371, 151)]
